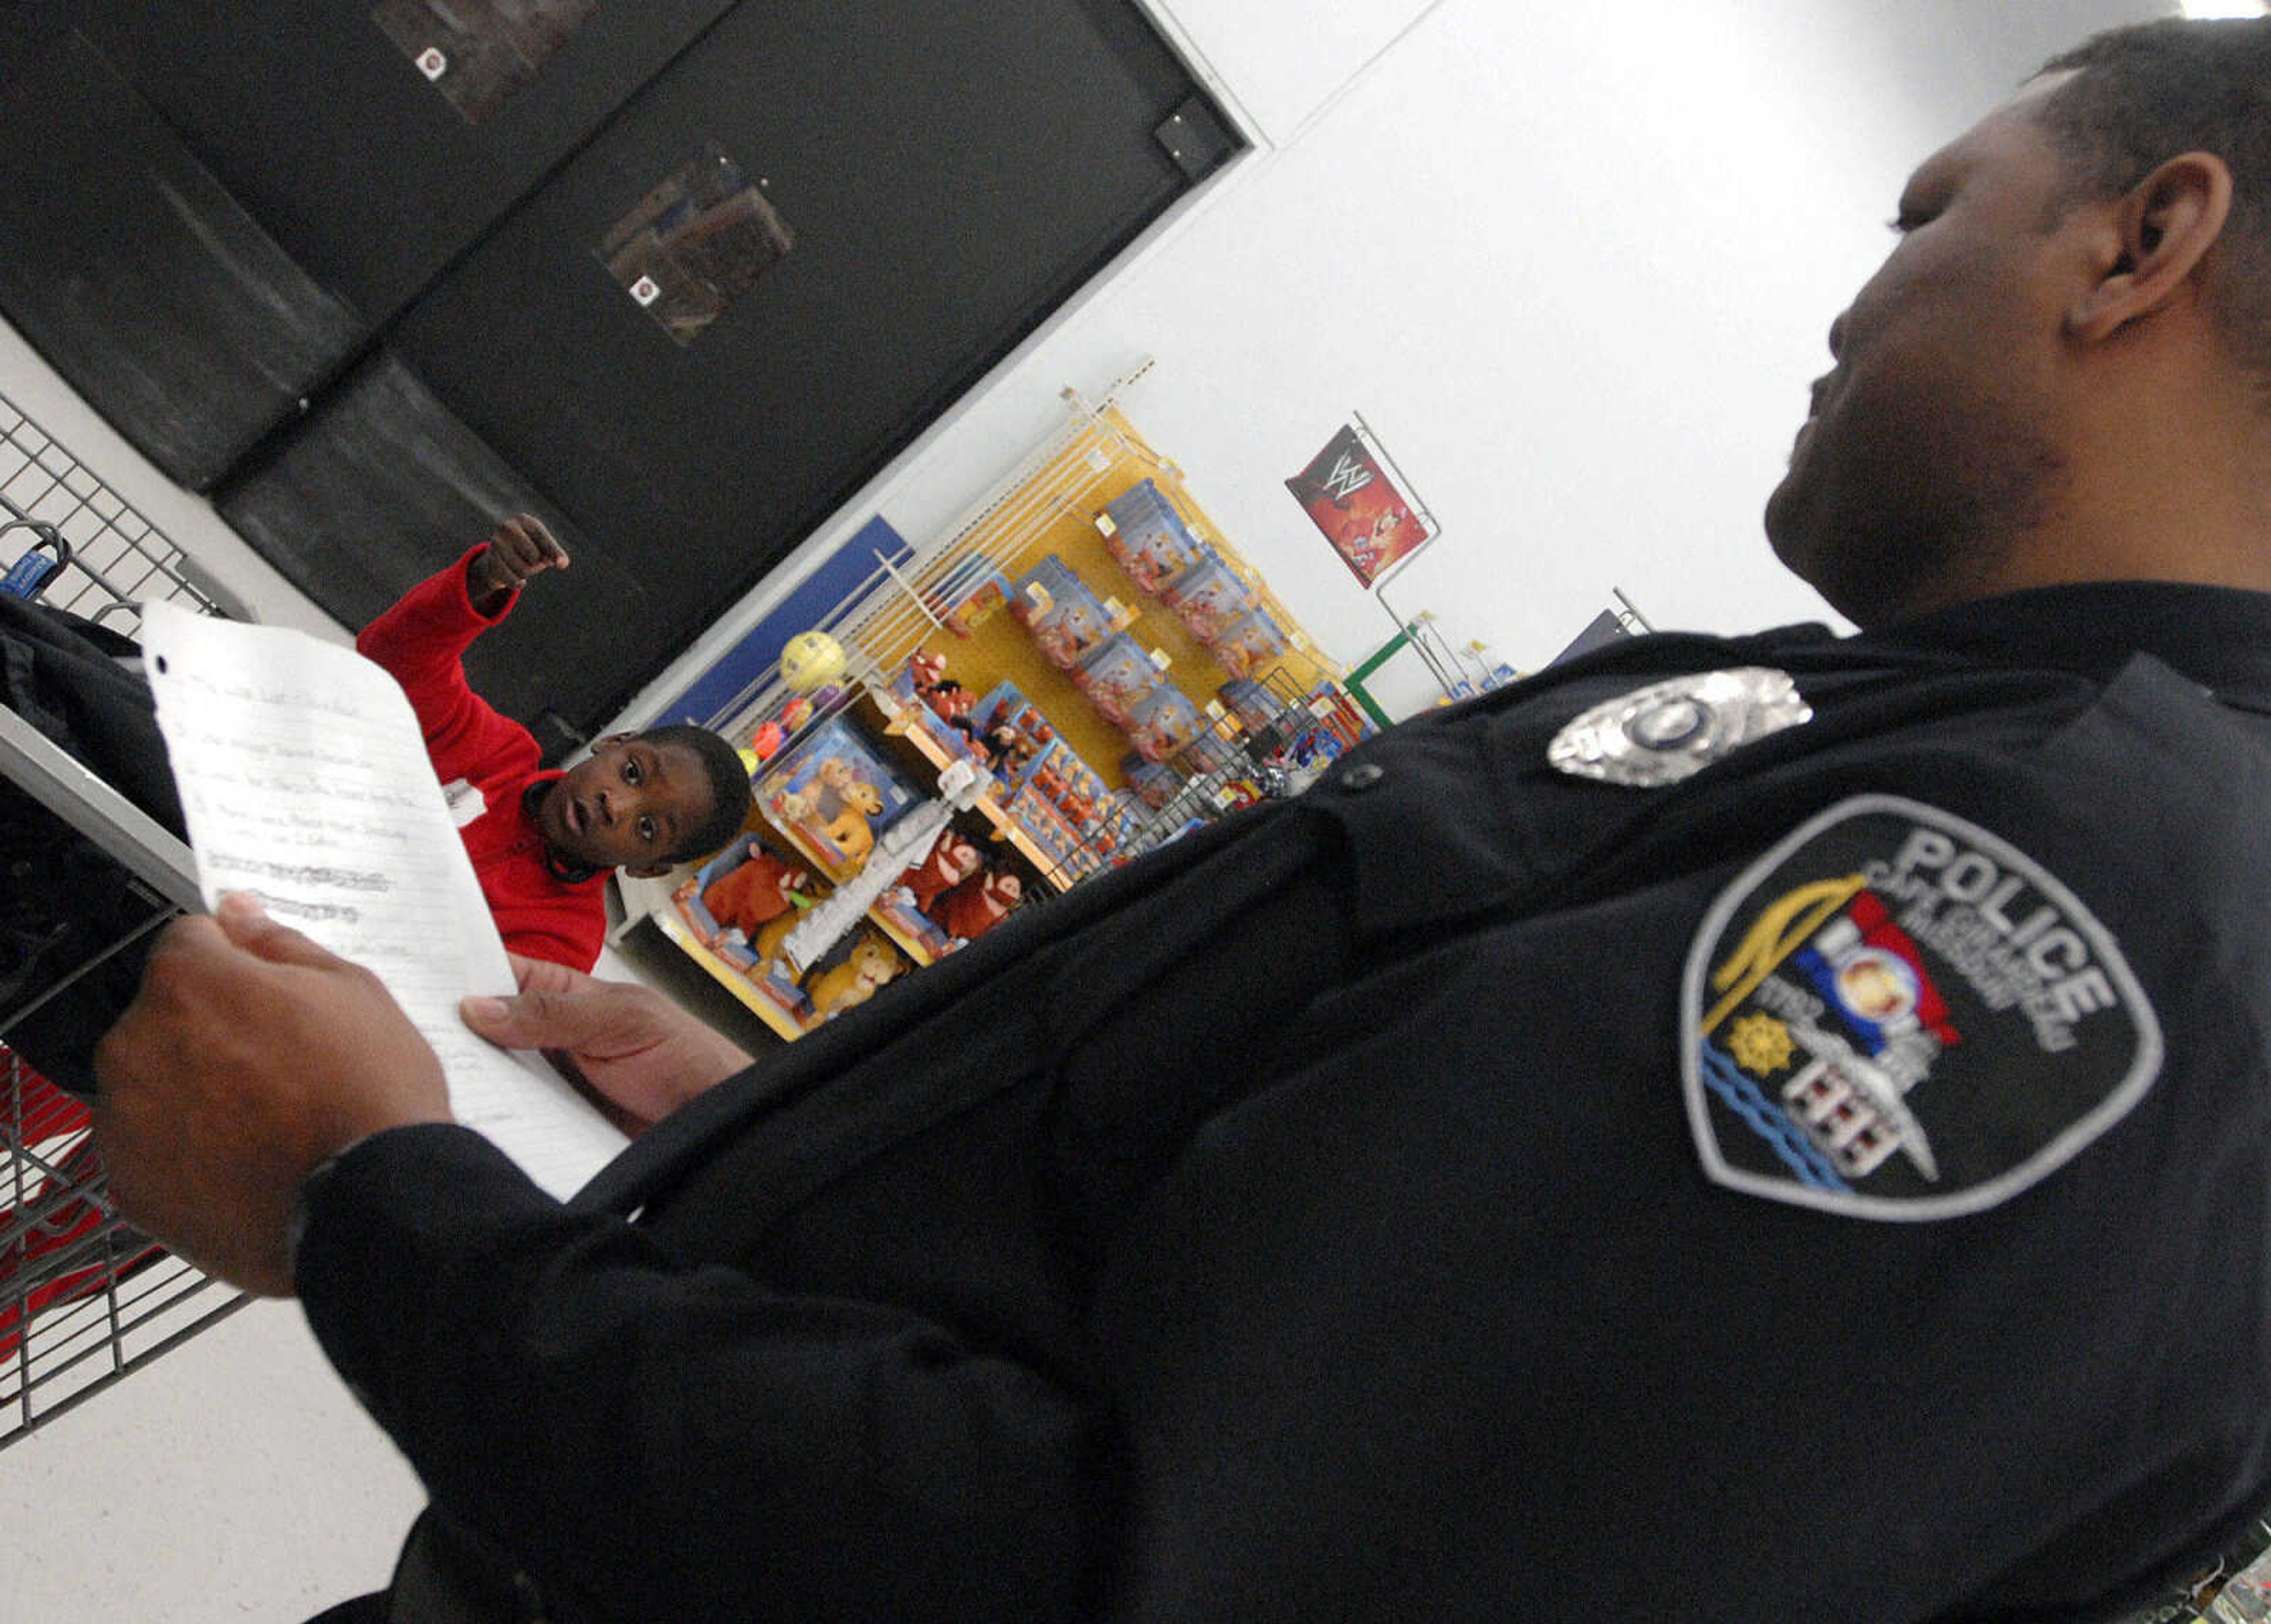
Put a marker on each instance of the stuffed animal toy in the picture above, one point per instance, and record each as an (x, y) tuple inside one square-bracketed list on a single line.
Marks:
[(870, 964), (849, 832), (980, 903), (757, 892), (766, 944), (1047, 782), (952, 859), (833, 781)]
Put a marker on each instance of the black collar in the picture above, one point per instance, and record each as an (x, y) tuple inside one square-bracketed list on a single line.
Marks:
[(2220, 637)]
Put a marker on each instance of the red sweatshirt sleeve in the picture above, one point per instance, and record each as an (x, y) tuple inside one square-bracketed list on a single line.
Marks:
[(421, 642)]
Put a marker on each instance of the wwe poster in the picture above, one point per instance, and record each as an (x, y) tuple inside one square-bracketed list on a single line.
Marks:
[(1349, 496)]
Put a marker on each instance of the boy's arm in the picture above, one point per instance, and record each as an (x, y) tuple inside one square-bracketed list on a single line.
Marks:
[(421, 641), (520, 547)]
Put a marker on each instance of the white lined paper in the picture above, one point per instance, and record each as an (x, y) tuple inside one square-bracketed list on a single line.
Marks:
[(305, 782)]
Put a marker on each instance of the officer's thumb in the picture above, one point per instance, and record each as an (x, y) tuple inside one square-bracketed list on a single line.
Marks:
[(537, 1020)]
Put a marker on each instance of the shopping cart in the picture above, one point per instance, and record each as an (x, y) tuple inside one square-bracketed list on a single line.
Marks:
[(84, 1298)]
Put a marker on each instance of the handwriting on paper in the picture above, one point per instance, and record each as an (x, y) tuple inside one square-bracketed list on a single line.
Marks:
[(305, 782)]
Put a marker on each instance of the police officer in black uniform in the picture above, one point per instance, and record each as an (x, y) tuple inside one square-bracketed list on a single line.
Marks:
[(1767, 1128)]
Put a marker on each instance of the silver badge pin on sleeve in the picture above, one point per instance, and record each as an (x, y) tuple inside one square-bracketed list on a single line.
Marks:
[(1667, 731)]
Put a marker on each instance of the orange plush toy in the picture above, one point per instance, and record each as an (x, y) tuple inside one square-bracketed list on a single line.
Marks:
[(755, 894), (952, 859), (870, 964), (980, 903)]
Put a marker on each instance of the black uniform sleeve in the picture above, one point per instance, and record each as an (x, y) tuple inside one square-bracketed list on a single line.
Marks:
[(674, 1442)]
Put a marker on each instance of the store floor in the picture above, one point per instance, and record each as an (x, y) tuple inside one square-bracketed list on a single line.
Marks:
[(233, 1479)]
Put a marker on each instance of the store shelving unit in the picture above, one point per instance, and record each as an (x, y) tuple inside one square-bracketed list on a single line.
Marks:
[(950, 602)]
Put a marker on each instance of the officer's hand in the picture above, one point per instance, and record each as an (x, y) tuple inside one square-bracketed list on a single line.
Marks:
[(249, 1056), (519, 548), (637, 1051)]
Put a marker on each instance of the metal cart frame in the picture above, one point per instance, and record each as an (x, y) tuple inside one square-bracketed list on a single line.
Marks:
[(84, 1298)]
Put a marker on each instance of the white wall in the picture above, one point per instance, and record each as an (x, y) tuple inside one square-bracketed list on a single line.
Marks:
[(1575, 265)]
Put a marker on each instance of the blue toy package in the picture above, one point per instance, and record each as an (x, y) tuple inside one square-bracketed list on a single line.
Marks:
[(1249, 642), (1209, 597), (834, 793), (1117, 677), (1148, 538), (742, 901), (1164, 723), (1065, 618), (1255, 706), (1208, 752), (1153, 783), (1012, 732)]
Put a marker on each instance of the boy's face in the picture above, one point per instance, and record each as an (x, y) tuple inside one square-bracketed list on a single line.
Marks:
[(628, 805)]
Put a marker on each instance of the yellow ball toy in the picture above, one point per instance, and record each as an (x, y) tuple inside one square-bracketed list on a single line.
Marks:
[(811, 658)]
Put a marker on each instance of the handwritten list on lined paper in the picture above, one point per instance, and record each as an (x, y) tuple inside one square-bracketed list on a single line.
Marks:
[(305, 782)]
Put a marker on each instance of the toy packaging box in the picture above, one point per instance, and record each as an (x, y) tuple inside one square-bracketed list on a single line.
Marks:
[(1012, 733), (1255, 706), (1164, 723), (913, 925), (1151, 782), (834, 794), (1065, 618), (1209, 597), (971, 597), (1249, 642), (1117, 677), (1208, 752), (742, 901), (1148, 538)]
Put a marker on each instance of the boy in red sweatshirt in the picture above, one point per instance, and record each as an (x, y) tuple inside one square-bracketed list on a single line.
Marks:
[(543, 841)]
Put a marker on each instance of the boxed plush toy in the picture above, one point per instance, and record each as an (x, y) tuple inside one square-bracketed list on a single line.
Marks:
[(1249, 642), (1208, 596), (1255, 706), (745, 899), (1151, 782), (1012, 733), (1147, 538), (1117, 677), (833, 794), (1164, 723), (1065, 618)]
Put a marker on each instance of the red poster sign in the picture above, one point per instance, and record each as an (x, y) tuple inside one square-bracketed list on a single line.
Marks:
[(1348, 496)]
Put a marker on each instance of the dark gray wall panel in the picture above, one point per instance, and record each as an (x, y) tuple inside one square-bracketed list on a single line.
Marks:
[(325, 132), (381, 486), (951, 171), (142, 281)]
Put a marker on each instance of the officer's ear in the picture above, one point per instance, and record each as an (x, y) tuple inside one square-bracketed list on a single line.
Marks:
[(2155, 239)]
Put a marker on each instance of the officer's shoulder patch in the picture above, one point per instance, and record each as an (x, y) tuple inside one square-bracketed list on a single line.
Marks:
[(1895, 1015)]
